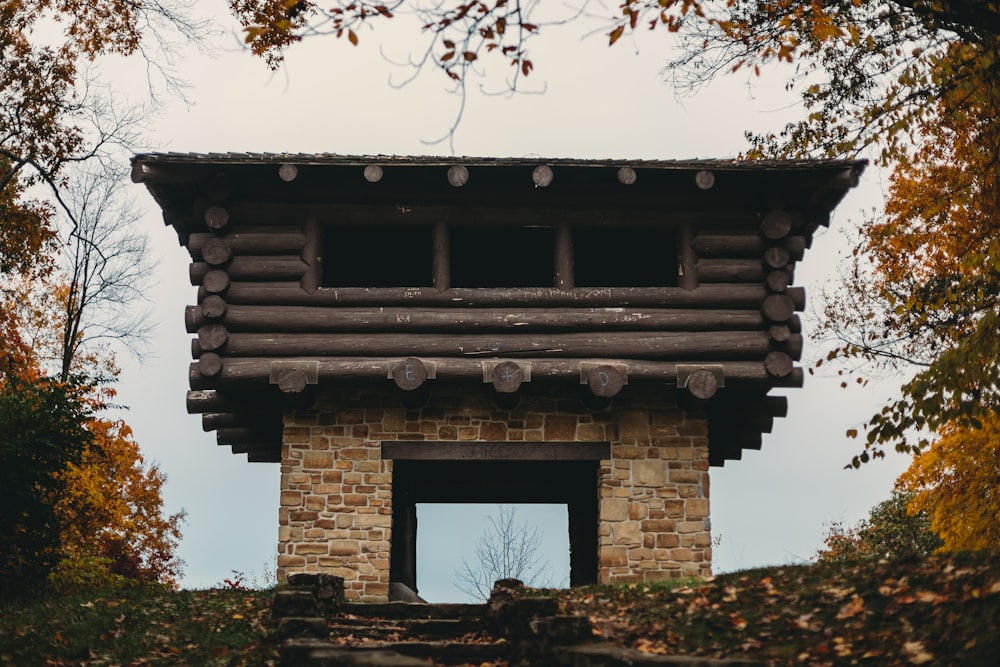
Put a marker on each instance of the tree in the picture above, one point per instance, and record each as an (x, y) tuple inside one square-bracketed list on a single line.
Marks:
[(112, 508), (890, 532), (43, 434), (53, 111), (912, 82), (956, 484), (506, 549)]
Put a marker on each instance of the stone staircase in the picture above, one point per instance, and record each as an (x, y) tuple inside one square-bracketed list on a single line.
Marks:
[(319, 629)]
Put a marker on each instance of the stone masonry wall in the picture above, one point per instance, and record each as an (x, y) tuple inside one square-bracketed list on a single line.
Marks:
[(336, 491)]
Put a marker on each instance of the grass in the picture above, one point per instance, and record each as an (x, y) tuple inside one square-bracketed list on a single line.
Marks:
[(940, 611), (139, 626)]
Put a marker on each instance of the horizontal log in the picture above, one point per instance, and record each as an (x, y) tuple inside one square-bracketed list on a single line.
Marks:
[(487, 214), (714, 296), (238, 401), (730, 270), (777, 224), (252, 268), (253, 373), (271, 455), (744, 245), (211, 421), (248, 434), (626, 344), (306, 319), (259, 241)]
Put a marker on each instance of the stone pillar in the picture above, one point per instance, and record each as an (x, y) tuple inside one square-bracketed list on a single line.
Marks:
[(336, 502), (654, 511)]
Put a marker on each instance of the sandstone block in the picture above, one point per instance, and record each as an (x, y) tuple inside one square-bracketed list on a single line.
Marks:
[(690, 526), (369, 520), (649, 473), (296, 434), (626, 532), (614, 556), (637, 511), (696, 508), (321, 460), (685, 476), (312, 548), (560, 427), (291, 498)]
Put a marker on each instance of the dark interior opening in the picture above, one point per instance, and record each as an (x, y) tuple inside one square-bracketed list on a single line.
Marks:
[(395, 256), (502, 256), (439, 480), (615, 257)]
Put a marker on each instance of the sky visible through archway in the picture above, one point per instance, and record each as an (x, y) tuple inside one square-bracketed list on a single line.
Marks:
[(447, 534)]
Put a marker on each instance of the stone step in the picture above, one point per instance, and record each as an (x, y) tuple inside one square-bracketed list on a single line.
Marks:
[(607, 655), (412, 610), (321, 653), (414, 627)]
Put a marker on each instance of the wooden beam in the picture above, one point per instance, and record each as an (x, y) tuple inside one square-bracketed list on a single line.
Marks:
[(254, 268), (306, 319), (506, 377), (734, 345), (730, 270), (260, 241), (253, 373), (718, 244), (422, 450), (713, 296)]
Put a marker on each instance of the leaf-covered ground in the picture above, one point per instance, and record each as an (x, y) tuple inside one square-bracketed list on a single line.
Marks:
[(143, 626), (941, 611)]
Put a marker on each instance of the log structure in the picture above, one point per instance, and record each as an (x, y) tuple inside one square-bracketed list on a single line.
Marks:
[(611, 283)]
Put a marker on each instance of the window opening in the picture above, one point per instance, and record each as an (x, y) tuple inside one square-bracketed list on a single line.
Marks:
[(502, 256), (615, 257), (377, 256)]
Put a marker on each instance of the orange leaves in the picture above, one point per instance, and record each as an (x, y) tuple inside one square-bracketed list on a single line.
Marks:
[(112, 508), (956, 483)]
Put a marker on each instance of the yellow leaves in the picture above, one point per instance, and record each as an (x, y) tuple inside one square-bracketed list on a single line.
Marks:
[(916, 653)]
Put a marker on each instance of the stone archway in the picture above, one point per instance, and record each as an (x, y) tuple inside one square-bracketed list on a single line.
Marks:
[(492, 472)]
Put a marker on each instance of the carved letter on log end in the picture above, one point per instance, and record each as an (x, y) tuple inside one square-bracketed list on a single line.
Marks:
[(506, 377), (605, 381), (409, 374)]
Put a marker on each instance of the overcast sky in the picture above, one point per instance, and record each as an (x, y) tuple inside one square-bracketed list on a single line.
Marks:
[(772, 507)]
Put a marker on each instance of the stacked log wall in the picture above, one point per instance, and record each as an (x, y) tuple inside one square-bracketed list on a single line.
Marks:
[(259, 302)]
